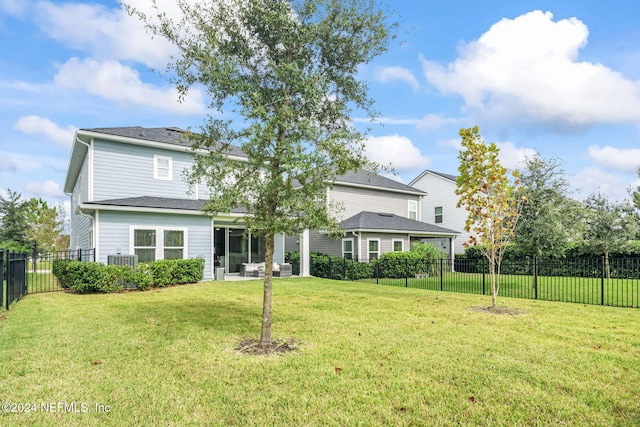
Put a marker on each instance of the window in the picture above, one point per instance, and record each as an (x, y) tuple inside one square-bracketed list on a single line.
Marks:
[(413, 209), (374, 248), (173, 244), (398, 245), (347, 248), (151, 244), (163, 168), (439, 215)]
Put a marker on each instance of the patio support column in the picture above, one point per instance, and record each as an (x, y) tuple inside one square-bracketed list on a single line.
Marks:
[(305, 259), (451, 252)]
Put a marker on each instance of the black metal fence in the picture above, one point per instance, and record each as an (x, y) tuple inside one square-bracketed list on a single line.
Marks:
[(24, 273), (40, 271), (586, 281), (14, 276)]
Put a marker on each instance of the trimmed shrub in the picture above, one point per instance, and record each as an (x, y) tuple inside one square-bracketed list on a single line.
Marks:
[(85, 277), (60, 271)]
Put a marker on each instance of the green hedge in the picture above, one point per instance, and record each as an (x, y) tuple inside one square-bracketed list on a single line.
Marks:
[(85, 277)]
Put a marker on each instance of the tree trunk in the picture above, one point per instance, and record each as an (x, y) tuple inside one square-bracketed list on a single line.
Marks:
[(606, 265), (265, 337), (494, 293)]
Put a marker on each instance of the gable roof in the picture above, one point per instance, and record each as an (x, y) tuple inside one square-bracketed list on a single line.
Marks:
[(164, 137), (440, 174), (369, 179), (154, 203), (389, 223)]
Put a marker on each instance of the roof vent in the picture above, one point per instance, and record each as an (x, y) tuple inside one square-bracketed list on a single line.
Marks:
[(386, 215)]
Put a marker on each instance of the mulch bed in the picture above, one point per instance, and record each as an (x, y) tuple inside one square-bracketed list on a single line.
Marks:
[(498, 310), (253, 347)]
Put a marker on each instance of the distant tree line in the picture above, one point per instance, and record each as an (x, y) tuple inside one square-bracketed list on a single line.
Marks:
[(553, 224), (27, 225)]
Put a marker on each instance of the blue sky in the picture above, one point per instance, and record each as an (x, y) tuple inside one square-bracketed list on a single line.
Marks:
[(559, 77)]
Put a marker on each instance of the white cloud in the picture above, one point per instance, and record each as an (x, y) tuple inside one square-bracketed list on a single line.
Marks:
[(388, 74), (594, 180), (114, 81), (622, 159), (512, 157), (430, 121), (528, 68), (14, 7), (44, 189), (105, 33), (437, 121), (397, 151), (29, 162), (451, 143), (36, 124)]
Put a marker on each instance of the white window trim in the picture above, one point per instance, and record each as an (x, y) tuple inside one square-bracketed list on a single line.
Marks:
[(412, 206), (157, 158), (349, 239), (393, 244), (159, 239), (369, 248)]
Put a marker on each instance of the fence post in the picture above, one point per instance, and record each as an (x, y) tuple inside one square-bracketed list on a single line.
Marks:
[(406, 272), (602, 263), (2, 283), (441, 273), (330, 269), (535, 276), (377, 272), (344, 268), (79, 254)]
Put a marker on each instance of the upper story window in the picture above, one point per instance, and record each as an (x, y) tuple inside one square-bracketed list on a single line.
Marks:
[(163, 168), (413, 209), (438, 214), (347, 248)]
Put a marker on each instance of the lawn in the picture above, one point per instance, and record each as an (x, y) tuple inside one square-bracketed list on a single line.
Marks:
[(369, 355)]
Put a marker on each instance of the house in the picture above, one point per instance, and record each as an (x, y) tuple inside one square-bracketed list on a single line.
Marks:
[(128, 198), (439, 206), (378, 215)]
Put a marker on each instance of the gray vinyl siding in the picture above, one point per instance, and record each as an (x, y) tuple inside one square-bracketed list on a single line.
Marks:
[(126, 170), (386, 243), (80, 225), (114, 232), (357, 199), (325, 245), (442, 193), (291, 244)]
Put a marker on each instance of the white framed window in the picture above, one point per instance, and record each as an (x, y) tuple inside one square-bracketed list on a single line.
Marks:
[(153, 243), (398, 245), (374, 248), (163, 168), (347, 248), (438, 215), (413, 209)]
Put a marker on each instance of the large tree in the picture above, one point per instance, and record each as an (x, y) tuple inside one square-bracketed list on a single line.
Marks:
[(548, 219), (14, 225), (490, 200), (289, 69), (609, 227)]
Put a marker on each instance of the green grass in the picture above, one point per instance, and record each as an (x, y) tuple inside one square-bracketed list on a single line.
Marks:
[(406, 357), (617, 292)]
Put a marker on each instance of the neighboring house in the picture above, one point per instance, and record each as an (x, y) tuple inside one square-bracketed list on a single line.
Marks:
[(128, 196), (379, 215), (439, 206)]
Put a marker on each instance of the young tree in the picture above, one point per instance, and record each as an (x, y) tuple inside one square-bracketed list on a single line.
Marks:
[(490, 200), (547, 221), (608, 228), (45, 226), (290, 69), (14, 229)]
